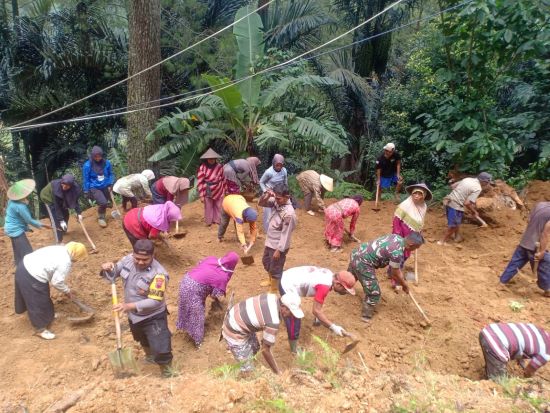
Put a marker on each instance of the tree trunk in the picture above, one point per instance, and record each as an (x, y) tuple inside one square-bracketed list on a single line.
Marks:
[(144, 51)]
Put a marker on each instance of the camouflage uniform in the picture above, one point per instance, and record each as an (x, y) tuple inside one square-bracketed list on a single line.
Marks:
[(369, 256)]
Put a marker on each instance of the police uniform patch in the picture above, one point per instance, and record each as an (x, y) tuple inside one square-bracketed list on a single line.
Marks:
[(157, 287)]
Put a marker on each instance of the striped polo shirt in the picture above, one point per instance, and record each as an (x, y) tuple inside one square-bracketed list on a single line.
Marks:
[(512, 341), (259, 313)]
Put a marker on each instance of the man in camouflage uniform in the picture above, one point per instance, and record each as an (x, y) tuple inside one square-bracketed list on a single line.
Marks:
[(369, 256)]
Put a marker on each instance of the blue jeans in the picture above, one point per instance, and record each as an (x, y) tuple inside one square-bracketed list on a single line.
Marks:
[(520, 257)]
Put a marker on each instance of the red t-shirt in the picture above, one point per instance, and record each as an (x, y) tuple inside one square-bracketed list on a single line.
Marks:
[(139, 228), (162, 191), (321, 292)]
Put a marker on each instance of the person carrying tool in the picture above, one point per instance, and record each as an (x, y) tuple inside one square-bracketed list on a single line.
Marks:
[(260, 313), (171, 188), (35, 273), (314, 185), (60, 195), (273, 175), (145, 281), (240, 174), (317, 282), (211, 186), (388, 170), (150, 222), (383, 251), (98, 179), (209, 278), (18, 218), (461, 199), (334, 220), (537, 231), (503, 342), (134, 188), (235, 207), (281, 224)]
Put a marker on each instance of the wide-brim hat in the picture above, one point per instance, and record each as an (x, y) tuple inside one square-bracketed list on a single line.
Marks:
[(210, 154), (21, 189), (327, 182), (423, 186)]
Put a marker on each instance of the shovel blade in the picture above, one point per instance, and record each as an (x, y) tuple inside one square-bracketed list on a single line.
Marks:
[(115, 214), (122, 361), (247, 259), (350, 346)]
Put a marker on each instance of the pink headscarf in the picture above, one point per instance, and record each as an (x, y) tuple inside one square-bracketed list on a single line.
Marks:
[(159, 216), (215, 271)]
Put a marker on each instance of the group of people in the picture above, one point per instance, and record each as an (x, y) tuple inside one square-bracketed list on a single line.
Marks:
[(220, 188)]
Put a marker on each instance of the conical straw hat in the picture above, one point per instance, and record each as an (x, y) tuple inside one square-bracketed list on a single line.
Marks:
[(327, 182), (210, 154), (21, 189)]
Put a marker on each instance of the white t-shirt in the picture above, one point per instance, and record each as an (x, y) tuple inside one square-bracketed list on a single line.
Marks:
[(50, 264), (304, 280), (467, 190)]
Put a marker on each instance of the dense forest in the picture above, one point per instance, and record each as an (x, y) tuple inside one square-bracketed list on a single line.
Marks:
[(327, 83)]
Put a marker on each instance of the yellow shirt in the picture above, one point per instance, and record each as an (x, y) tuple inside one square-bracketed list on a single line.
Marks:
[(234, 205)]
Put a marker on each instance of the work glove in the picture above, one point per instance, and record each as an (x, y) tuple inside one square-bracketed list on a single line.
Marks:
[(63, 226), (79, 217), (338, 330)]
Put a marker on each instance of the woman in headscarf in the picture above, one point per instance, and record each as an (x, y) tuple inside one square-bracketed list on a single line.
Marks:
[(334, 220), (98, 177), (60, 195), (18, 218), (209, 277), (39, 269), (211, 186), (171, 188), (273, 175), (148, 222), (134, 187), (241, 173)]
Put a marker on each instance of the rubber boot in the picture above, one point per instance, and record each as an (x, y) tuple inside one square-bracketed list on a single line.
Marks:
[(274, 286), (367, 312), (267, 282), (293, 346), (149, 357), (101, 221)]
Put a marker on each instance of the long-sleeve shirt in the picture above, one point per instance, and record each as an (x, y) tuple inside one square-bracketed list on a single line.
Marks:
[(234, 206), (138, 226), (18, 219), (310, 182), (61, 204), (211, 181), (346, 207), (513, 341), (94, 180), (271, 177), (146, 288), (281, 223), (134, 185), (50, 264)]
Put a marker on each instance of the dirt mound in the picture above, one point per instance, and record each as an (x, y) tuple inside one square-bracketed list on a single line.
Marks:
[(537, 191), (397, 362)]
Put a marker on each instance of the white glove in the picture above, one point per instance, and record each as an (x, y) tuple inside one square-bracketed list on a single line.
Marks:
[(79, 216), (63, 226), (338, 330)]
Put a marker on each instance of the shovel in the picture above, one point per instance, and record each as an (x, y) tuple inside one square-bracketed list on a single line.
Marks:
[(179, 235), (85, 309), (416, 267), (121, 359), (420, 310), (376, 207), (94, 249), (54, 229), (352, 344), (229, 306), (247, 259), (116, 213), (535, 267)]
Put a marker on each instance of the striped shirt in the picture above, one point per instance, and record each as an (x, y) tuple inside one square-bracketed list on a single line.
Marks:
[(259, 313), (513, 341)]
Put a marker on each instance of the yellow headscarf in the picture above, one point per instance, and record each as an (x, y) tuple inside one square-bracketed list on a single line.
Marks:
[(76, 250)]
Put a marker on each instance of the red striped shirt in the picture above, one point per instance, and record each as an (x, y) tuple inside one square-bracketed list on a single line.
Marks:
[(214, 176)]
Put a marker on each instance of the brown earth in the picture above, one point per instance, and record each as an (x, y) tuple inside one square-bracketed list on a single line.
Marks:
[(407, 365)]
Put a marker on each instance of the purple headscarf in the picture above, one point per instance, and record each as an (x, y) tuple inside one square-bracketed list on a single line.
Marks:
[(70, 196), (98, 167), (215, 271), (159, 216)]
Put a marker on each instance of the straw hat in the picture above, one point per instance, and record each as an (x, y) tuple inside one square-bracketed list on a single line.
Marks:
[(21, 189), (327, 182), (210, 154), (422, 186)]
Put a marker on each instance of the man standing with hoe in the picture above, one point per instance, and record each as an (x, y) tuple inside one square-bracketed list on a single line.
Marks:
[(388, 170), (533, 248), (145, 282)]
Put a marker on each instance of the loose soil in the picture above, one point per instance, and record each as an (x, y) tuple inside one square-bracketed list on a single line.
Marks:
[(407, 366)]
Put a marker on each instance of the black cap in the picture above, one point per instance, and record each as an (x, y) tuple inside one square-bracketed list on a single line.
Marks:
[(144, 246)]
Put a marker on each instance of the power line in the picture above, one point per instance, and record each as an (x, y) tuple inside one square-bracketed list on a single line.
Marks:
[(123, 111), (144, 70)]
